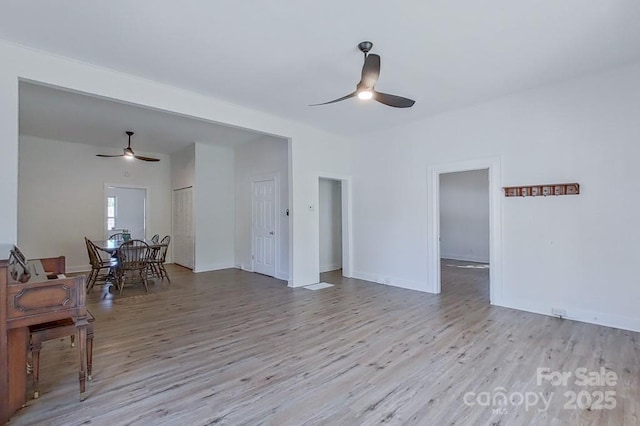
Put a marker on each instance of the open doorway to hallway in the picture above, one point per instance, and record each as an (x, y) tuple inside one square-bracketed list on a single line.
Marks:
[(464, 233), (330, 220), (434, 172), (334, 241)]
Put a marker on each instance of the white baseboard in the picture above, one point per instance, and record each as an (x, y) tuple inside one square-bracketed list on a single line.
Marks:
[(576, 314), (279, 275), (465, 258), (331, 267), (213, 267), (597, 318), (392, 281), (282, 276), (78, 268), (246, 268)]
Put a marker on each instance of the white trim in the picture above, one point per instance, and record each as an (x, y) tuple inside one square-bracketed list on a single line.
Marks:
[(275, 177), (590, 317), (211, 267), (347, 221), (330, 267), (495, 221), (392, 281), (147, 203), (282, 276), (77, 269), (465, 258), (246, 268)]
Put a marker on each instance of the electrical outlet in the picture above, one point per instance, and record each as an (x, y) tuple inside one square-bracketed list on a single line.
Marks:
[(559, 312)]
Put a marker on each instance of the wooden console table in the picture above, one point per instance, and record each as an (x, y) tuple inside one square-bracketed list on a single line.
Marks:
[(31, 303)]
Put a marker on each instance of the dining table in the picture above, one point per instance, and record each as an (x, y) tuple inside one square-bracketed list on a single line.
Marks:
[(111, 246)]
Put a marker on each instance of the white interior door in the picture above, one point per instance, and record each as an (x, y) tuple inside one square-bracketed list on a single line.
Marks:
[(183, 233), (264, 227)]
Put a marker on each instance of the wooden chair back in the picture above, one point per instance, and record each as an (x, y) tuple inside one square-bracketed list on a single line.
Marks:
[(117, 237), (133, 255), (164, 246), (93, 255), (97, 256)]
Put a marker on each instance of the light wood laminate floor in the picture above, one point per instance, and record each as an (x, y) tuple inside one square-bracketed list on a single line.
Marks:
[(231, 347)]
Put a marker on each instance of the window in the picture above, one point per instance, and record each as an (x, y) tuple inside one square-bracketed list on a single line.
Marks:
[(111, 213)]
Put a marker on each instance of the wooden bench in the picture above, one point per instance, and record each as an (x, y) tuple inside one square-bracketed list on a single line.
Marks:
[(56, 330)]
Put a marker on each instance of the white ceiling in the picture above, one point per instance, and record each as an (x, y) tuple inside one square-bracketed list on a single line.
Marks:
[(281, 55), (65, 116)]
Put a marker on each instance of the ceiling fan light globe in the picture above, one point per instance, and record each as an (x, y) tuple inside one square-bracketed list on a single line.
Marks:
[(365, 95)]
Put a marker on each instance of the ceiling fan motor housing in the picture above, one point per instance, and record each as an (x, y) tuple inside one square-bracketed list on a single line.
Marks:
[(365, 46)]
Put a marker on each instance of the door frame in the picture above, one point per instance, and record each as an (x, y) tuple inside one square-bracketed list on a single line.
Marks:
[(493, 164), (275, 176), (347, 222), (147, 196)]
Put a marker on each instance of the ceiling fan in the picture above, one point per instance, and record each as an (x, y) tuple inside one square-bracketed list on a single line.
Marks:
[(365, 89), (128, 152)]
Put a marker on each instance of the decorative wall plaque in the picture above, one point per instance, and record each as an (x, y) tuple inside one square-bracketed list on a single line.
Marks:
[(542, 190)]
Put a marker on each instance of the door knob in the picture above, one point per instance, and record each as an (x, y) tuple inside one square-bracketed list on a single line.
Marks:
[(271, 233)]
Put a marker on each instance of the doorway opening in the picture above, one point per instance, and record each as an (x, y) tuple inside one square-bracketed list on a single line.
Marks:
[(334, 243), (464, 233), (330, 218), (125, 211), (492, 166)]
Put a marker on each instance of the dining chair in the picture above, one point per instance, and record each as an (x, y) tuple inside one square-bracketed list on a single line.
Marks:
[(155, 239), (156, 264), (103, 266), (117, 236), (133, 258)]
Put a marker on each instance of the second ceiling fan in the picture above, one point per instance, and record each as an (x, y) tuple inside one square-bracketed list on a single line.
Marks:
[(365, 89), (128, 152)]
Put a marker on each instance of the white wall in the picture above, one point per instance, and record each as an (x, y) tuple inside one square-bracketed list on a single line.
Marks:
[(264, 156), (311, 151), (62, 195), (574, 252), (9, 149), (464, 216), (584, 247), (330, 215), (214, 201)]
